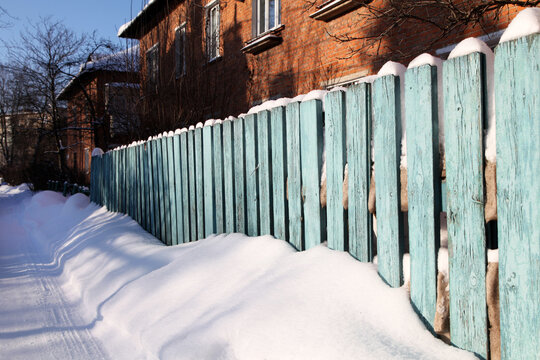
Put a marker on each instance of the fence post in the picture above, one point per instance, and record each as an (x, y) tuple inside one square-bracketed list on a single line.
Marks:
[(424, 188), (387, 144), (358, 102), (150, 187), (228, 175), (208, 170), (199, 182), (240, 175), (164, 190), (185, 185), (264, 170), (173, 201), (311, 148), (155, 190), (192, 191), (178, 221), (517, 89), (464, 115), (218, 177), (252, 174), (335, 166), (294, 176), (279, 172)]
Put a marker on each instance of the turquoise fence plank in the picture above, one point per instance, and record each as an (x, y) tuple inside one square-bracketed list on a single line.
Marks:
[(335, 166), (144, 187), (228, 176), (279, 173), (199, 181), (311, 147), (92, 179), (252, 175), (517, 89), (464, 116), (166, 205), (185, 185), (218, 178), (192, 191), (264, 170), (107, 184), (176, 165), (294, 176), (240, 176), (156, 190), (129, 180), (115, 179), (423, 187), (137, 182), (387, 145), (358, 101), (160, 191), (173, 206), (151, 187), (208, 169)]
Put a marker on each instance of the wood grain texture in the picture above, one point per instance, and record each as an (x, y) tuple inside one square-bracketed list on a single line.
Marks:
[(157, 200), (239, 176), (208, 178), (311, 147), (335, 165), (294, 176), (174, 202), (151, 186), (145, 188), (279, 173), (166, 205), (252, 175), (218, 178), (192, 191), (228, 176), (423, 188), (517, 89), (264, 173), (464, 118), (387, 145), (358, 104), (185, 186), (199, 183)]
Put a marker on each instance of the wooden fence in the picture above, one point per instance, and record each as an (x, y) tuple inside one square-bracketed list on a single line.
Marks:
[(260, 174)]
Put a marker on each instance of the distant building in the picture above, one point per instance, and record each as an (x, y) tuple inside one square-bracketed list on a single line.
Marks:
[(212, 58), (102, 107)]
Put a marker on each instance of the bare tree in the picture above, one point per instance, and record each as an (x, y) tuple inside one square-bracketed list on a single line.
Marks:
[(383, 20)]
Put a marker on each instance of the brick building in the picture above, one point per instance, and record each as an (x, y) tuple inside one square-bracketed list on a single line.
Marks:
[(102, 108), (214, 58)]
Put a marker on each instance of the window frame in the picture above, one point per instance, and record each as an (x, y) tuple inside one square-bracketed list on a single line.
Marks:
[(180, 30), (212, 44), (152, 75), (259, 28)]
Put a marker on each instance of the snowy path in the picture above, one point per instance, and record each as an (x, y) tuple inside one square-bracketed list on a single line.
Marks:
[(36, 319)]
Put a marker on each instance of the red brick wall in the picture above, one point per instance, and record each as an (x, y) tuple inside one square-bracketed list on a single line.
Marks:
[(307, 58)]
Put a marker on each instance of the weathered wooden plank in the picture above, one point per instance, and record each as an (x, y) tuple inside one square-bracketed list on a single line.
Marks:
[(185, 185), (192, 191), (156, 191), (264, 171), (423, 187), (358, 102), (294, 176), (164, 191), (209, 196), (92, 180), (144, 187), (464, 117), (252, 175), (199, 182), (240, 176), (178, 219), (151, 185), (335, 166), (311, 147), (218, 178), (171, 160), (279, 173), (387, 145), (228, 176), (517, 89)]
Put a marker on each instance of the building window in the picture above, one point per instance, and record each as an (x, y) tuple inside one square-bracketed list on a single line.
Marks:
[(152, 64), (179, 50), (266, 15), (212, 30)]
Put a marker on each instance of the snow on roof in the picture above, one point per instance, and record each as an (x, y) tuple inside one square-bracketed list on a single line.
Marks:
[(122, 30), (525, 23)]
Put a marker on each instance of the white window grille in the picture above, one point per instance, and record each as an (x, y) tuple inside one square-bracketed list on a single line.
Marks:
[(266, 15), (212, 30)]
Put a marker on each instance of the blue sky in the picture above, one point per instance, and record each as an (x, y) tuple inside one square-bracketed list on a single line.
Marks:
[(104, 16)]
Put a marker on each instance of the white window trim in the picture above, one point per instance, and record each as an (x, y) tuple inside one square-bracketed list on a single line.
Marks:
[(258, 28), (208, 9), (184, 27)]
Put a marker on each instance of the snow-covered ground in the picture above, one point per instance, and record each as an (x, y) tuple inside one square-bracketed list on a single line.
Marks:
[(79, 282)]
